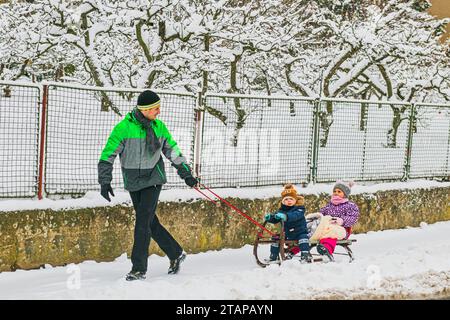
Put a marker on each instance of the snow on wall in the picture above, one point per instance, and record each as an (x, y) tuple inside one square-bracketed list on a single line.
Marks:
[(94, 199)]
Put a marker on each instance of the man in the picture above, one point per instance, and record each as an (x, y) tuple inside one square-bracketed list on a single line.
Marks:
[(139, 139)]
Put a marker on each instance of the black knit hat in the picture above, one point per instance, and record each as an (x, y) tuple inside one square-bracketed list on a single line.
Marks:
[(148, 100)]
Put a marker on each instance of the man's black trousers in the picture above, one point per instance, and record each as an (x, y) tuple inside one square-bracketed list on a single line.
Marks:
[(147, 226)]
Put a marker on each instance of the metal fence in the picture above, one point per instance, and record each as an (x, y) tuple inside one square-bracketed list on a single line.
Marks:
[(430, 145), (358, 140), (79, 121), (19, 139), (230, 140), (256, 141)]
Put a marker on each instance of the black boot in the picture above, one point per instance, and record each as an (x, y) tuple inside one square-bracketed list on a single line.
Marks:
[(175, 264), (324, 252), (135, 275), (289, 255), (274, 252), (306, 257), (273, 257)]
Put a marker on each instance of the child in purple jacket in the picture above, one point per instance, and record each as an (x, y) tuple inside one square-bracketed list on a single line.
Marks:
[(344, 212)]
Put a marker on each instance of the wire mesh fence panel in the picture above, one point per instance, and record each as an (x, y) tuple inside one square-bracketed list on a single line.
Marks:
[(19, 140), (252, 141), (362, 141), (430, 149), (80, 120), (177, 112), (246, 140)]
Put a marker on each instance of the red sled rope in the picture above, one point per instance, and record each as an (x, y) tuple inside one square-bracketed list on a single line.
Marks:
[(231, 206)]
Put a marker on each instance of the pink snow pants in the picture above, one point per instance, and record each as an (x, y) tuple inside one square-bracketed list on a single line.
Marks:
[(330, 243)]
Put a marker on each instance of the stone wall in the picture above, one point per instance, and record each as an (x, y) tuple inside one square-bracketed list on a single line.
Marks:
[(30, 239)]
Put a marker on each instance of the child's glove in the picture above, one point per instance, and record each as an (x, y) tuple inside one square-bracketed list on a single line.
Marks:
[(267, 216), (281, 216)]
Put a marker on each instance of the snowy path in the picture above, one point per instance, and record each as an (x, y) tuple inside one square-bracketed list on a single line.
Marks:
[(410, 263)]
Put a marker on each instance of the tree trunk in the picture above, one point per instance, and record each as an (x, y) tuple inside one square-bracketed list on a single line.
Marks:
[(206, 41), (241, 114), (240, 121), (363, 117), (106, 102), (326, 120), (364, 113), (392, 133)]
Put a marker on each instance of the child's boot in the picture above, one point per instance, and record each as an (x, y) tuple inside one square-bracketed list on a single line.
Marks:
[(306, 257), (273, 257), (322, 250), (274, 252), (292, 252)]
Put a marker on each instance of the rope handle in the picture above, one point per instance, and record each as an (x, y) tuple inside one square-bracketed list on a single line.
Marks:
[(230, 206)]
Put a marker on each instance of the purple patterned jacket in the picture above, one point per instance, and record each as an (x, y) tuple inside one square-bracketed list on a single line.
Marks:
[(348, 211)]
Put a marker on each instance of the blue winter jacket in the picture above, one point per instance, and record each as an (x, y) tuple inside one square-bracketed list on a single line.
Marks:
[(295, 225)]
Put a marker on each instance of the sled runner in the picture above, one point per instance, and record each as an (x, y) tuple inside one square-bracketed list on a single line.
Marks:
[(345, 244)]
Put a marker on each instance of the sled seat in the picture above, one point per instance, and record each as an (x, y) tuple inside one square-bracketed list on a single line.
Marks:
[(344, 242)]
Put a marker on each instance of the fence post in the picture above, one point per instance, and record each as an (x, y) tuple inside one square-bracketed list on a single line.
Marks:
[(448, 157), (315, 142), (42, 141), (198, 135), (412, 124)]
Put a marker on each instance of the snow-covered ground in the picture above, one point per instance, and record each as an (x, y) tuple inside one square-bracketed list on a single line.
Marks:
[(407, 263)]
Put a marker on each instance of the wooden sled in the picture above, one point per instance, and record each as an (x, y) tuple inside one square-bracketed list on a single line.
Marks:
[(286, 245)]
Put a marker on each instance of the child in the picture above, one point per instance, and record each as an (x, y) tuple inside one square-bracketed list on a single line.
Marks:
[(339, 215), (292, 212)]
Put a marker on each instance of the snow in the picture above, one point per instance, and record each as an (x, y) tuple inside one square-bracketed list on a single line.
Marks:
[(387, 262), (407, 263), (93, 198)]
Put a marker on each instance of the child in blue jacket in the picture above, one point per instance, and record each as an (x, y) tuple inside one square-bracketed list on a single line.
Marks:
[(295, 228)]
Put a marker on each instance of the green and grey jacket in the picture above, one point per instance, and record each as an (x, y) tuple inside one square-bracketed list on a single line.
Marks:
[(141, 167)]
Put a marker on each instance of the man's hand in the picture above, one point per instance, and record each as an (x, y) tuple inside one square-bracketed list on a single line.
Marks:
[(106, 190), (191, 181)]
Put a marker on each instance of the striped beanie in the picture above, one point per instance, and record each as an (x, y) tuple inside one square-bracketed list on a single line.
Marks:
[(148, 100)]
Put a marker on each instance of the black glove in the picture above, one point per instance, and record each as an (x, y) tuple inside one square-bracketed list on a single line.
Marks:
[(106, 190), (191, 181)]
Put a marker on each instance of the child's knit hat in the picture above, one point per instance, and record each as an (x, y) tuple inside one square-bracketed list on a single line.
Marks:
[(289, 191), (345, 187)]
